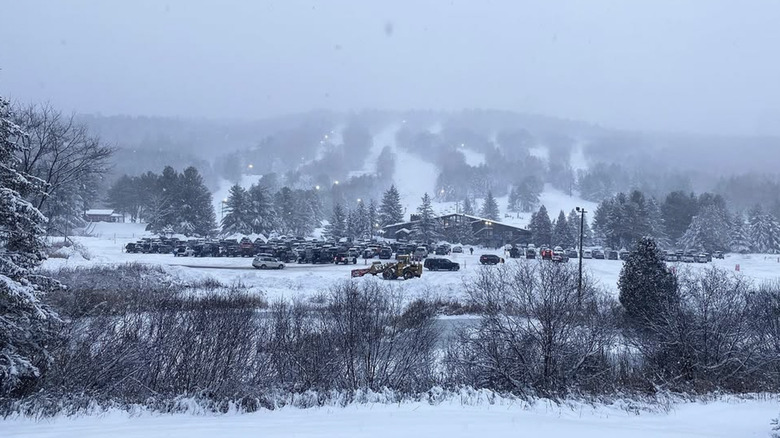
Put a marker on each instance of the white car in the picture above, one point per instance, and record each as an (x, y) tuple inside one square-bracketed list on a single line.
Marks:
[(266, 262)]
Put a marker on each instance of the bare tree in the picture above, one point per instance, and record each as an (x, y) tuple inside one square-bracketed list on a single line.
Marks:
[(63, 153)]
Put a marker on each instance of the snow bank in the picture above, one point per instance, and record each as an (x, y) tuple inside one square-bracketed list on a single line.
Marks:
[(452, 418)]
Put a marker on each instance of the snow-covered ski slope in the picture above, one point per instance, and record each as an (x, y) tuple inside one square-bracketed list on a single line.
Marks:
[(723, 419)]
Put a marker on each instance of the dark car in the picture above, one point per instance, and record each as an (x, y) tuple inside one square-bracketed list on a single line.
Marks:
[(131, 247), (530, 253), (612, 254), (435, 264), (598, 254), (489, 259), (385, 253), (717, 254)]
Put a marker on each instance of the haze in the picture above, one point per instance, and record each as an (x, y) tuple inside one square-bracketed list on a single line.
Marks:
[(696, 66)]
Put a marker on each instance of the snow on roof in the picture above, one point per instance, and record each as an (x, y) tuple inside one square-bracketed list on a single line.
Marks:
[(403, 230), (474, 218), (99, 212)]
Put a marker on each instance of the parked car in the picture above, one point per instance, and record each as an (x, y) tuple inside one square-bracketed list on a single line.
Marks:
[(489, 259), (437, 264), (385, 253), (530, 253), (672, 256), (587, 254), (265, 262), (612, 254), (688, 258), (703, 258), (183, 251), (572, 253), (420, 253), (559, 256), (623, 254), (131, 248), (598, 254), (718, 255)]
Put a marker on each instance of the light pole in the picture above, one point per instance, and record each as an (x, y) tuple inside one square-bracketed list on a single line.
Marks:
[(582, 212)]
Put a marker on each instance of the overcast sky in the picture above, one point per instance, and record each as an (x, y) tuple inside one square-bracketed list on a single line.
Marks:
[(699, 66)]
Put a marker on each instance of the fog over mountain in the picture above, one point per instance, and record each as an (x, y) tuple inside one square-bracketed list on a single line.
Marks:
[(669, 66)]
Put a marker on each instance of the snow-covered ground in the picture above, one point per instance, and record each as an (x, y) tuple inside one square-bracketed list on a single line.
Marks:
[(725, 419), (453, 418)]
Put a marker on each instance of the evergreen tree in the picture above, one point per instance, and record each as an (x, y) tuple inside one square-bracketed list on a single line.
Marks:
[(390, 210), (362, 224), (468, 208), (304, 221), (426, 228), (337, 228), (513, 203), (541, 227), (26, 323), (678, 210), (285, 208), (529, 190), (372, 218), (562, 233), (764, 231), (196, 210), (648, 290), (655, 221), (126, 196), (165, 201), (708, 231), (739, 241), (263, 215), (573, 221), (238, 213), (490, 207)]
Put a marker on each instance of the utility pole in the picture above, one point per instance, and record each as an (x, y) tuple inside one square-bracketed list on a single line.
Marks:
[(582, 212)]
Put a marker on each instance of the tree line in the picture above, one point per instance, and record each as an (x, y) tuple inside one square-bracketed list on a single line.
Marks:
[(685, 221)]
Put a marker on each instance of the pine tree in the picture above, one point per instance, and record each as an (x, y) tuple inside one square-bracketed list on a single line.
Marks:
[(372, 218), (468, 208), (390, 210), (263, 215), (165, 200), (656, 224), (648, 290), (238, 214), (529, 190), (26, 323), (764, 231), (304, 220), (425, 230), (561, 234), (337, 228), (708, 231), (490, 207), (362, 227), (196, 211), (513, 203), (285, 208), (739, 235), (541, 227)]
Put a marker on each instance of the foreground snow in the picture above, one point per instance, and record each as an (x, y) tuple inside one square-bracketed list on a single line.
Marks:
[(726, 419)]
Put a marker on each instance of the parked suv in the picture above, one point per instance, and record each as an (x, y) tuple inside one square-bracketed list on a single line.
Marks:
[(266, 262), (489, 259), (433, 264)]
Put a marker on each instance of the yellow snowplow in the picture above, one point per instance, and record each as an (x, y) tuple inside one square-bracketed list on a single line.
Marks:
[(402, 268)]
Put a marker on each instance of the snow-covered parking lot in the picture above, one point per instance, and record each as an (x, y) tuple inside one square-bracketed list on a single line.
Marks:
[(304, 281)]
